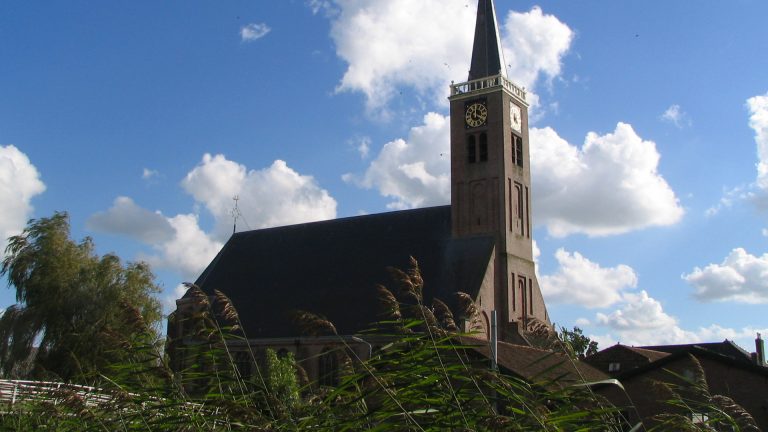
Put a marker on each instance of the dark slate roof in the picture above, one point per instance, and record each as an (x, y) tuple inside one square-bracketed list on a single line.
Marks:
[(699, 352), (726, 348), (331, 268), (487, 58)]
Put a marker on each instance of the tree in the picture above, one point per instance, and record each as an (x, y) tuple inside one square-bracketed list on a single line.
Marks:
[(576, 343), (80, 309)]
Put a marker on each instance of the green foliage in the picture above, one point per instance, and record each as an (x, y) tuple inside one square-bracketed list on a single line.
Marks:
[(576, 344), (81, 309), (425, 378), (281, 379)]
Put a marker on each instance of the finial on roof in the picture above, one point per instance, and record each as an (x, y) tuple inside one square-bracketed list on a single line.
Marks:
[(487, 56)]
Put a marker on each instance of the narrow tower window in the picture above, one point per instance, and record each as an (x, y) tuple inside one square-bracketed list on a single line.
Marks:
[(514, 155), (471, 149), (521, 286), (483, 147), (519, 210), (530, 296), (519, 151), (512, 292)]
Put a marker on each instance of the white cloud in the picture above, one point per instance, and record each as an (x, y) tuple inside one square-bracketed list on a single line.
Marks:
[(730, 196), (608, 186), (179, 243), (364, 147), (322, 5), (416, 172), (758, 121), (641, 320), (741, 277), (583, 282), (640, 312), (19, 183), (269, 197), (273, 196), (757, 192), (253, 31), (534, 45), (387, 45), (127, 218), (675, 115), (190, 249), (148, 174)]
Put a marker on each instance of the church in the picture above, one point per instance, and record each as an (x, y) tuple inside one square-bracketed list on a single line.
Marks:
[(480, 244)]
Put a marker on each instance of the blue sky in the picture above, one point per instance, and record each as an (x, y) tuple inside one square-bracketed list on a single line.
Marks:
[(649, 137)]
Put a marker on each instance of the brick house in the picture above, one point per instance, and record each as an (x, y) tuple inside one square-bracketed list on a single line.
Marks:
[(727, 369)]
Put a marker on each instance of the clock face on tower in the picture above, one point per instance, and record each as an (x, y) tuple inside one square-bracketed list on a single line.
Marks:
[(476, 114), (515, 117)]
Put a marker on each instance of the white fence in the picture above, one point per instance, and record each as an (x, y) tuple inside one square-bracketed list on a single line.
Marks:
[(13, 392)]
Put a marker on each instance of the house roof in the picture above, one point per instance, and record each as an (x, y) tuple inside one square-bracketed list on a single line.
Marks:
[(538, 365), (696, 351), (726, 348), (331, 268), (608, 353)]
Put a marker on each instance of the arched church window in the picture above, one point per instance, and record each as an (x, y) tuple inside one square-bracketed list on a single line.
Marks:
[(521, 286), (328, 368), (483, 147), (471, 149)]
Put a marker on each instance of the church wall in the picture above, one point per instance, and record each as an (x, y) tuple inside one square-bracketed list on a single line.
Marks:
[(486, 298)]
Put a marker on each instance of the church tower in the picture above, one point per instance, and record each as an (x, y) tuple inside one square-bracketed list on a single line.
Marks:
[(491, 179)]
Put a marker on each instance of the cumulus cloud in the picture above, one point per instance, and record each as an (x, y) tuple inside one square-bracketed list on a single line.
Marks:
[(19, 183), (534, 45), (178, 242), (276, 195), (127, 218), (640, 312), (188, 251), (741, 277), (273, 196), (756, 192), (253, 31), (758, 121), (641, 320), (413, 172), (387, 45), (675, 115), (610, 185), (583, 282)]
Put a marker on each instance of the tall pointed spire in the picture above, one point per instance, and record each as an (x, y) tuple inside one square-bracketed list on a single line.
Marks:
[(487, 57)]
